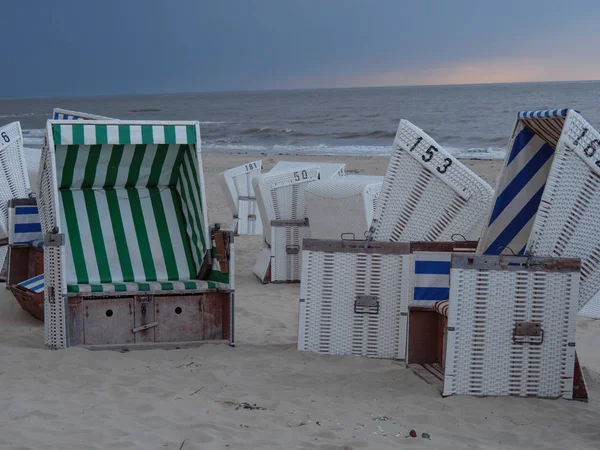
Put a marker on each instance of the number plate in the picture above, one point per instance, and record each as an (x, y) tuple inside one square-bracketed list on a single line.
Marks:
[(298, 176)]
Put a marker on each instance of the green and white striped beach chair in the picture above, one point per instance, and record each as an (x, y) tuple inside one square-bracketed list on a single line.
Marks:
[(128, 256)]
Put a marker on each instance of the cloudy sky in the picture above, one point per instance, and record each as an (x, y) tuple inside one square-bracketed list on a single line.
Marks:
[(77, 47)]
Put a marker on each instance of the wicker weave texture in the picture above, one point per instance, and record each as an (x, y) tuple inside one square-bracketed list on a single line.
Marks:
[(482, 358), (342, 206), (330, 322), (237, 187), (14, 178), (280, 195), (286, 252), (569, 213), (427, 194), (592, 308)]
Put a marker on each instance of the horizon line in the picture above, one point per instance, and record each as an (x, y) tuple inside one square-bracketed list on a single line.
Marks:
[(234, 91)]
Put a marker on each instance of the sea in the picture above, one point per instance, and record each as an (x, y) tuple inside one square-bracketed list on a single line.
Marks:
[(471, 121)]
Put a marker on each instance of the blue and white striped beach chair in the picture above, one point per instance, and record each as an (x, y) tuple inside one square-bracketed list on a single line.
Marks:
[(546, 202)]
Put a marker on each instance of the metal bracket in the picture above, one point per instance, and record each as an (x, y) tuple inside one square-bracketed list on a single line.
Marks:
[(367, 302), (144, 300), (54, 240), (292, 249), (144, 327), (528, 333)]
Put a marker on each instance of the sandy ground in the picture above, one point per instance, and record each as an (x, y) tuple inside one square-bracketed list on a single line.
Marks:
[(186, 399)]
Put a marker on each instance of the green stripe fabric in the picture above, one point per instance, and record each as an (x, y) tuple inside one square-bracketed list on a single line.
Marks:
[(182, 285), (122, 134), (131, 207)]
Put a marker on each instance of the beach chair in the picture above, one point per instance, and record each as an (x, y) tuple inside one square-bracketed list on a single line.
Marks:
[(546, 201), (129, 259), (237, 187), (14, 179), (25, 274), (66, 114), (511, 327), (355, 296), (342, 206), (427, 194), (280, 196)]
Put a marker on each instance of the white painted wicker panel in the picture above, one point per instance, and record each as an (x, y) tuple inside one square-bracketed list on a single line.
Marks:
[(263, 263), (3, 254), (280, 195), (55, 308), (327, 170), (237, 182), (328, 323), (481, 357), (344, 205), (14, 179), (592, 308), (249, 221), (566, 224), (286, 252), (427, 194)]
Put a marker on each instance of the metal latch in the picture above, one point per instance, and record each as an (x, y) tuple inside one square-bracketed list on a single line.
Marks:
[(144, 327), (144, 300), (292, 249), (364, 304), (528, 333), (54, 240)]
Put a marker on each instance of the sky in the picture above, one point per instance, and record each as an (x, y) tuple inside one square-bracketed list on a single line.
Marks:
[(54, 48)]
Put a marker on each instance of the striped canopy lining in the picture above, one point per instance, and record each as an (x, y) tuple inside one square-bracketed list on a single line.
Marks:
[(131, 213), (523, 181), (431, 278)]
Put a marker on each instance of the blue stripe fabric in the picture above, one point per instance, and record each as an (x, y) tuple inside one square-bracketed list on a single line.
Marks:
[(431, 293), (520, 143), (22, 210), (28, 228), (516, 225), (521, 180), (35, 284), (432, 267)]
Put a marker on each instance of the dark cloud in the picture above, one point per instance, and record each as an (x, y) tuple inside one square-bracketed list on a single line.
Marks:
[(75, 47)]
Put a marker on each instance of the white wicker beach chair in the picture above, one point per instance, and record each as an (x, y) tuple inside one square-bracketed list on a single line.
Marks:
[(129, 258), (237, 187), (546, 201), (14, 179), (280, 196), (511, 326), (342, 206), (352, 299), (427, 194)]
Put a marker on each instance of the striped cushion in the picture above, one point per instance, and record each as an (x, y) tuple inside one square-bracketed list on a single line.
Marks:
[(35, 284), (181, 285), (431, 278), (441, 307)]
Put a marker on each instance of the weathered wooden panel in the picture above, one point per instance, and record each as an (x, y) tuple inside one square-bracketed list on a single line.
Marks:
[(212, 315), (109, 321), (75, 320), (19, 265), (179, 318), (423, 337)]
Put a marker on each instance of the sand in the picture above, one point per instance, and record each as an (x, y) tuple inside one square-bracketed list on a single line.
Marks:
[(186, 399)]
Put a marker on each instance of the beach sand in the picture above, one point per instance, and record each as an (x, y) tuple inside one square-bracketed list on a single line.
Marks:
[(186, 399)]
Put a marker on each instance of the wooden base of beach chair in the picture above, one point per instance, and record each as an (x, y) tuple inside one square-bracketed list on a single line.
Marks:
[(26, 262), (150, 319)]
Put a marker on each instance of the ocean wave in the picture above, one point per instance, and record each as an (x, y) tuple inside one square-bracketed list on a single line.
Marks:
[(365, 134), (34, 138)]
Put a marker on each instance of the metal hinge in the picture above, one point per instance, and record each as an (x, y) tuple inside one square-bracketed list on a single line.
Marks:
[(54, 240)]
